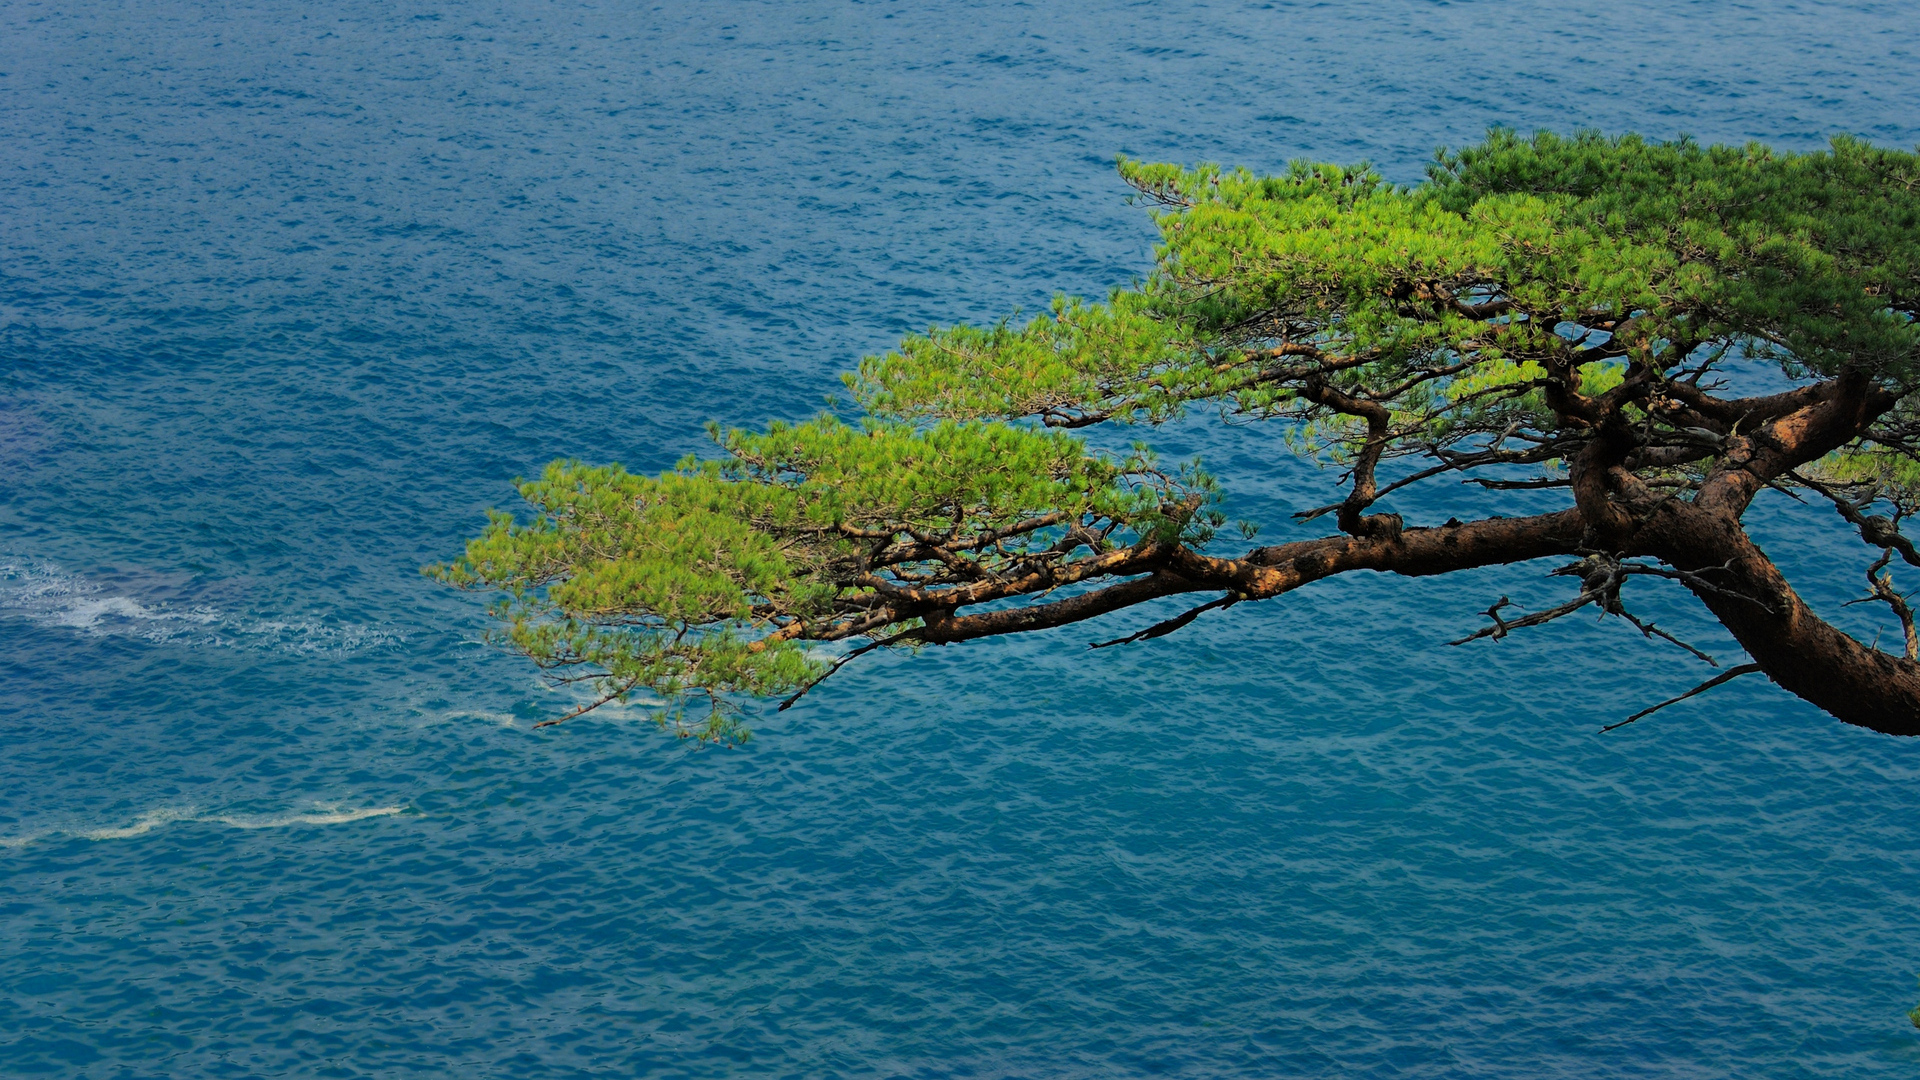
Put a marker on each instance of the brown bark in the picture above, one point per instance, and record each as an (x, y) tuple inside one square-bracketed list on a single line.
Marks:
[(1799, 651), (1843, 411), (1352, 518), (1270, 571), (1802, 653), (1753, 442)]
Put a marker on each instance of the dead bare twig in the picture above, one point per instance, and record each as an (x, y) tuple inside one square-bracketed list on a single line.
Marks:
[(1728, 675)]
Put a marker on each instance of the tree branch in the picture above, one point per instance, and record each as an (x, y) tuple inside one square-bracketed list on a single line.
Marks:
[(1845, 407), (1877, 530), (838, 664), (1361, 495), (1881, 583), (1268, 572), (1162, 629), (1724, 677)]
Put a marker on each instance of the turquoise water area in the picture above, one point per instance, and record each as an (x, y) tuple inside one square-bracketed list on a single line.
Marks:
[(288, 293)]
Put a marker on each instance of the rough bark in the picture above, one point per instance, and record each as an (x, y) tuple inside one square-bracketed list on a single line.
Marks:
[(1802, 653), (1625, 507), (1614, 512), (1271, 571)]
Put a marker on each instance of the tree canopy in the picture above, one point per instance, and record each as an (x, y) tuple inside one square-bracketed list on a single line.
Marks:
[(1545, 312)]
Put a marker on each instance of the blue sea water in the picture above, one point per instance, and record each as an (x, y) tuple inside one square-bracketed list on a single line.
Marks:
[(288, 293)]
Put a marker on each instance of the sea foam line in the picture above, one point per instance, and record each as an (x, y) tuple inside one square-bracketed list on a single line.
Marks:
[(330, 816), (154, 819), (44, 593)]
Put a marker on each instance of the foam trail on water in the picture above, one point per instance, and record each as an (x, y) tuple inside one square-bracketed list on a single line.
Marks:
[(500, 718), (87, 614), (24, 840), (46, 594), (316, 816), (321, 814), (313, 636), (142, 825)]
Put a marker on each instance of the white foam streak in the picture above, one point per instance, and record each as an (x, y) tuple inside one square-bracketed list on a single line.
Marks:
[(324, 816), (43, 593), (141, 826), (87, 614), (500, 718), (321, 814)]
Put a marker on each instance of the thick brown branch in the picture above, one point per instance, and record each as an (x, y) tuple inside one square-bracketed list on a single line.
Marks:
[(1845, 409), (1729, 414), (1801, 652), (943, 630), (1271, 571), (1601, 486)]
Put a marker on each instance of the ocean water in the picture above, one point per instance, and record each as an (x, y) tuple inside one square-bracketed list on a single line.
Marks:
[(289, 293)]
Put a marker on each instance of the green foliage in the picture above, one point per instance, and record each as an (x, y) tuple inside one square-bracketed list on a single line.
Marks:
[(672, 584), (1810, 259), (1073, 357), (1477, 309), (1811, 253)]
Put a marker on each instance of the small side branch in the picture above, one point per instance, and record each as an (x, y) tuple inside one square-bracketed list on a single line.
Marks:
[(1881, 532), (591, 705), (1649, 630), (1601, 577), (1351, 515), (1726, 676), (1695, 581), (1880, 581), (1162, 629), (1451, 462), (1501, 627), (840, 663)]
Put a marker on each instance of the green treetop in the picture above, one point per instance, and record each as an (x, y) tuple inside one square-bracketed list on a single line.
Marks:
[(1541, 313)]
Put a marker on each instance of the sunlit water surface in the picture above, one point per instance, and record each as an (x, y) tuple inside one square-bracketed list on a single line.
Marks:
[(289, 292)]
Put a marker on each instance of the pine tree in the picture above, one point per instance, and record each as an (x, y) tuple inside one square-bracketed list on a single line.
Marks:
[(1553, 313)]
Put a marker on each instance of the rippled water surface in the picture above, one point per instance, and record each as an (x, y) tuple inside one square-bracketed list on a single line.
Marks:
[(288, 293)]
